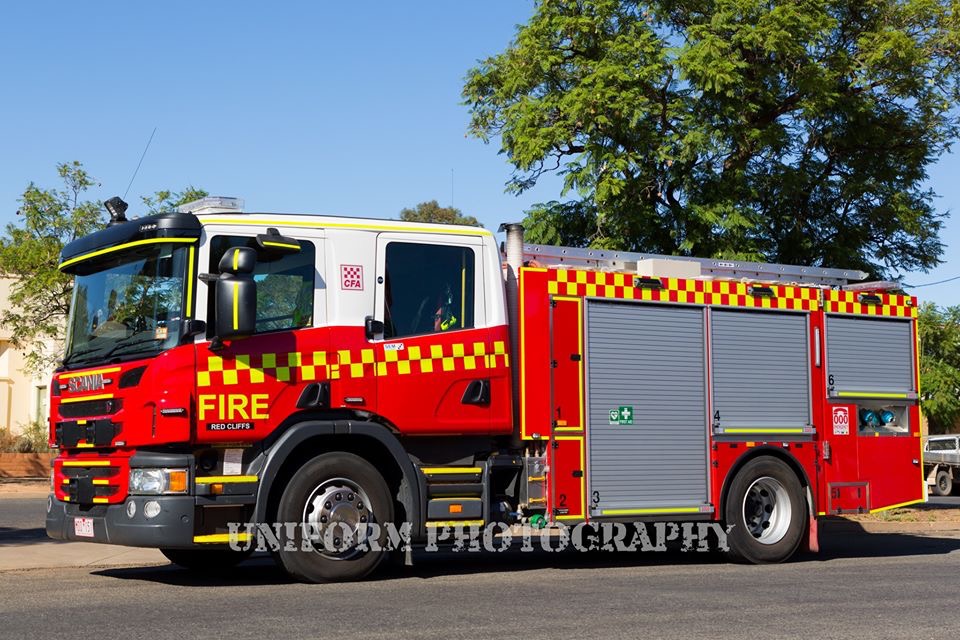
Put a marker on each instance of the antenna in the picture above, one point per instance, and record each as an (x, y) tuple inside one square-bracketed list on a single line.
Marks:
[(137, 170)]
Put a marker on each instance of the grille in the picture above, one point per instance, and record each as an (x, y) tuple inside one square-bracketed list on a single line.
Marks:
[(90, 408)]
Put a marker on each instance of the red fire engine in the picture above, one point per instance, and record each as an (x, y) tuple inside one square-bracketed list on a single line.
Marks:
[(226, 367)]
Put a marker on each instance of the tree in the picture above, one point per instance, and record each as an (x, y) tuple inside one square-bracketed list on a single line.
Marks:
[(169, 200), (940, 366), (433, 212), (795, 132), (48, 219)]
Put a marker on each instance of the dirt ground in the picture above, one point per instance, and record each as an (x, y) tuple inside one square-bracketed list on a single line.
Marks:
[(23, 487)]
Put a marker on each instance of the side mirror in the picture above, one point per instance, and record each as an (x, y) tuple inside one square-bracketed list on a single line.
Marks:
[(235, 294), (273, 246)]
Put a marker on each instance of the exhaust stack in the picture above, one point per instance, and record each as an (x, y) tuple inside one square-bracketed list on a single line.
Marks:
[(514, 256)]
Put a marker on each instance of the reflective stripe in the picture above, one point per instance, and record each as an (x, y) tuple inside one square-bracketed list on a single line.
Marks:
[(442, 470), (465, 231), (226, 479), (236, 259), (89, 372), (190, 282), (121, 247), (221, 538), (86, 463), (310, 366), (772, 430), (582, 283), (652, 511), (99, 396), (236, 303), (898, 505), (848, 302), (865, 394), (456, 523), (282, 245)]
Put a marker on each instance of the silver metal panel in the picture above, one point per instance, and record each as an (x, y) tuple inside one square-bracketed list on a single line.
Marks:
[(761, 369), (650, 358), (870, 354), (577, 257)]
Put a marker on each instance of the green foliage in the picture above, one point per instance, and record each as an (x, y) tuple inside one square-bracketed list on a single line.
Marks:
[(30, 252), (940, 366), (432, 212), (795, 132), (48, 219), (169, 200), (31, 439)]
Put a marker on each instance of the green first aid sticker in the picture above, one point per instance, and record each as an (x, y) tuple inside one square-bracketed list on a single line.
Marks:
[(621, 415)]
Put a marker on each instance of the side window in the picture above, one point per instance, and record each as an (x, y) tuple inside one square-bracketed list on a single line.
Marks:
[(429, 289), (284, 284)]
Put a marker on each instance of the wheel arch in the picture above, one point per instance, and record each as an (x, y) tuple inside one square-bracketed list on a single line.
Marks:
[(371, 441), (774, 452)]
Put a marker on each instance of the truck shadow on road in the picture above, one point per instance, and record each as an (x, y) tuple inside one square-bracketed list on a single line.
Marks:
[(260, 569)]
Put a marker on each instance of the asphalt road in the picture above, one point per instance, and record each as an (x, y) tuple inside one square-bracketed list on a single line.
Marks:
[(860, 586), (22, 518)]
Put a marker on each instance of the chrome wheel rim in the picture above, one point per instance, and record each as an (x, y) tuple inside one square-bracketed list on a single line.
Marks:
[(337, 518), (766, 510)]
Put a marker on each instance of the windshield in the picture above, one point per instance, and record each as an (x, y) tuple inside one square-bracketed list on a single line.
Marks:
[(129, 305)]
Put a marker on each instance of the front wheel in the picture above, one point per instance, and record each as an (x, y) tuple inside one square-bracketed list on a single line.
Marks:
[(341, 506), (767, 509)]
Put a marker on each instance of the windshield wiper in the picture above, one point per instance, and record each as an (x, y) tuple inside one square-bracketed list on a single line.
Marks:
[(73, 356), (125, 344)]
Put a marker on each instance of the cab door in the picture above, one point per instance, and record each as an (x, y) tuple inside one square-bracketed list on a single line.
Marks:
[(437, 360), (245, 387)]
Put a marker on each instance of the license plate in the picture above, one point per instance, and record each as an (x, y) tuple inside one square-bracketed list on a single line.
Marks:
[(83, 527)]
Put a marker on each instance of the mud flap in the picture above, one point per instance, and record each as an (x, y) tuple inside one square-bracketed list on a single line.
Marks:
[(813, 533)]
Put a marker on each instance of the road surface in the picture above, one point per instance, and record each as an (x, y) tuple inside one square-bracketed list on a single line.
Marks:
[(862, 585)]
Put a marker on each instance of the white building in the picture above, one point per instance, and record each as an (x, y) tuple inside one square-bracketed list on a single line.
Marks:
[(23, 396)]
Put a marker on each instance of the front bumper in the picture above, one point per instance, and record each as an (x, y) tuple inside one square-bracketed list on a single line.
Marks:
[(172, 528)]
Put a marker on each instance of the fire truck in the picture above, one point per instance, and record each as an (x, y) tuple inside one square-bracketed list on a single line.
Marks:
[(229, 367)]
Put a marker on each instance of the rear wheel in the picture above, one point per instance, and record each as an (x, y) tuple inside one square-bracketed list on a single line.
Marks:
[(207, 560), (767, 509), (344, 504), (944, 483)]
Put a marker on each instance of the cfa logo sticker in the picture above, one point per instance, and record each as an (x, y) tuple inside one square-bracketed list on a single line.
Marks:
[(841, 421), (351, 277)]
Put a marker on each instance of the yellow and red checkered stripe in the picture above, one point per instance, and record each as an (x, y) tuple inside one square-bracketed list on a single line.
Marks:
[(849, 302), (357, 363), (728, 293)]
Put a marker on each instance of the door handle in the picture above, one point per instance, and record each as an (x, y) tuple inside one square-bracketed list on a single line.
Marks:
[(477, 392)]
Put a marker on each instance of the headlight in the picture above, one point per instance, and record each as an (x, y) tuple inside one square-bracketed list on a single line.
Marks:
[(158, 481)]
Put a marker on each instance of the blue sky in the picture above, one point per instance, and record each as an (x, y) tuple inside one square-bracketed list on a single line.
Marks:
[(332, 107)]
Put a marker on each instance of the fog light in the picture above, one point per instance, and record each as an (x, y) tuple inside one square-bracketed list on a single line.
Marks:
[(131, 509), (151, 509)]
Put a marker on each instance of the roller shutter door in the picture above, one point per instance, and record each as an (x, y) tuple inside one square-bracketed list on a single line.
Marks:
[(650, 360), (870, 355), (761, 369)]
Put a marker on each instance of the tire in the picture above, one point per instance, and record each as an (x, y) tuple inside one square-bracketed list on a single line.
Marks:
[(206, 560), (944, 483), (767, 508), (343, 490)]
